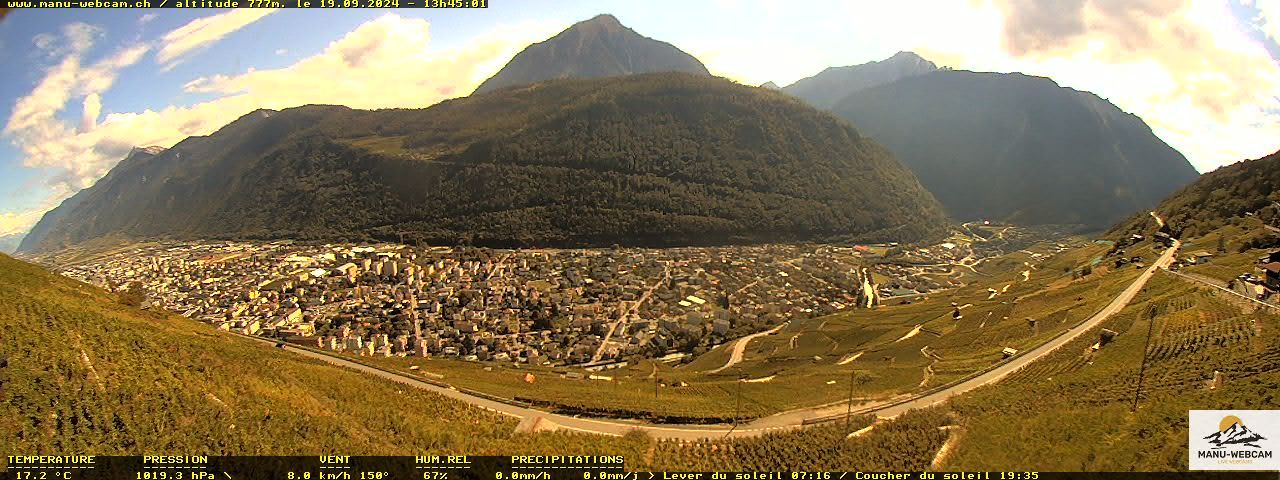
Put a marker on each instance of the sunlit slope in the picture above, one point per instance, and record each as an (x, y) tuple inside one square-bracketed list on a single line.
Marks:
[(1243, 194), (89, 375), (1076, 403)]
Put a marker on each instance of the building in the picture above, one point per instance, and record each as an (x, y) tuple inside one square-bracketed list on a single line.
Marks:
[(1200, 257), (1271, 275)]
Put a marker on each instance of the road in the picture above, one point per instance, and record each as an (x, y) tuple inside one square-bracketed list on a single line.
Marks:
[(740, 346), (1020, 361), (624, 313), (1218, 285), (782, 421)]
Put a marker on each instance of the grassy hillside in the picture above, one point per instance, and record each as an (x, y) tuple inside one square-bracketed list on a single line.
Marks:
[(657, 159), (87, 374), (1077, 402)]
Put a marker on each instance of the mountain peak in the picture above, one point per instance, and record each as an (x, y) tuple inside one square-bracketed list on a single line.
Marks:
[(151, 150), (834, 83), (603, 20), (594, 48), (905, 55)]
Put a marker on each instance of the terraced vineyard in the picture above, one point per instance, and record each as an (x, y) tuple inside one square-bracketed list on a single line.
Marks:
[(1077, 401), (87, 374), (904, 444)]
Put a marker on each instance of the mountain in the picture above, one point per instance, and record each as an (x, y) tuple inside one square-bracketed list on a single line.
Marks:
[(1019, 148), (1225, 195), (655, 159), (9, 243), (829, 86), (1236, 434), (770, 86), (80, 370), (595, 48)]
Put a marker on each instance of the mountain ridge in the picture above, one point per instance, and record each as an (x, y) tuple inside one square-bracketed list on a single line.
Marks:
[(595, 48), (654, 159), (1021, 148), (826, 88)]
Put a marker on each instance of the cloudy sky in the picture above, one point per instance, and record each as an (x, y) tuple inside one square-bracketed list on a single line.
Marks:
[(81, 88)]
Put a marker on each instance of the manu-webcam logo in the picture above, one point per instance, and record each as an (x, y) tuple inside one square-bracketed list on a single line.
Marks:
[(1234, 440)]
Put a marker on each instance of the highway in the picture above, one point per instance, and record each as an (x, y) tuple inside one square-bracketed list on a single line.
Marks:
[(781, 421)]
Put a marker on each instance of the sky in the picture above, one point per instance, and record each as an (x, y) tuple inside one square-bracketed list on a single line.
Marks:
[(81, 88)]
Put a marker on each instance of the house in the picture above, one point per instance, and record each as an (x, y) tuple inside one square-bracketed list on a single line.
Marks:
[(1200, 257), (1271, 275), (1269, 258)]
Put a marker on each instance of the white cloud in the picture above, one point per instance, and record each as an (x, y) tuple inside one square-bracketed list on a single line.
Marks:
[(147, 18), (1268, 19), (202, 32), (383, 63), (47, 141), (1183, 66), (11, 223), (75, 37), (90, 111)]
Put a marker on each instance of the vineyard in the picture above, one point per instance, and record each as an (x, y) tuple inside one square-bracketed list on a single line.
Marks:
[(1077, 401), (87, 374), (904, 444)]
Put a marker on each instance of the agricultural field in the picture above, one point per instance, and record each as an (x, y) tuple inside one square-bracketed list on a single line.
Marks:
[(1077, 402)]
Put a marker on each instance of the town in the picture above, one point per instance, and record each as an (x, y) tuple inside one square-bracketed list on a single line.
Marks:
[(538, 306)]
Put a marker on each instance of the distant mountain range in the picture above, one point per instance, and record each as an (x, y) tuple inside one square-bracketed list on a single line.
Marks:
[(833, 84), (595, 48), (9, 243), (655, 159), (573, 143), (1218, 198), (1019, 148)]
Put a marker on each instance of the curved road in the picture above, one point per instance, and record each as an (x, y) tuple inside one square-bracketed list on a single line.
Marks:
[(740, 346), (781, 421)]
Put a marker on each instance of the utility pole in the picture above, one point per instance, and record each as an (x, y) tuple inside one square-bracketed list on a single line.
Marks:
[(737, 411), (848, 413), (1151, 326)]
